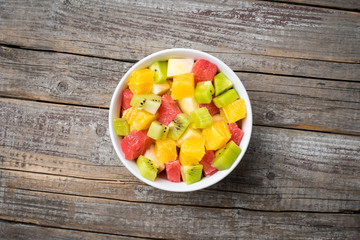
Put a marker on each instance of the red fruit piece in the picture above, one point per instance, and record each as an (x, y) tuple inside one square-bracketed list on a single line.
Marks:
[(126, 97), (203, 70), (211, 107), (135, 144), (173, 171), (236, 133), (206, 161), (168, 110)]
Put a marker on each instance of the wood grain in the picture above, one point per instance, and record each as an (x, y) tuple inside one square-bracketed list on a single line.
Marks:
[(352, 5), (281, 101), (246, 35), (283, 170)]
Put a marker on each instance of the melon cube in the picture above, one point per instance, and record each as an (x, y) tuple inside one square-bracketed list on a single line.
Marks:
[(179, 66)]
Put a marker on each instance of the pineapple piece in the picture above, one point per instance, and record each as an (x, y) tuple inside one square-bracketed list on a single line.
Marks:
[(141, 81), (189, 133), (139, 119), (161, 88), (216, 136), (187, 105), (183, 86), (235, 111), (179, 66), (165, 150), (192, 150)]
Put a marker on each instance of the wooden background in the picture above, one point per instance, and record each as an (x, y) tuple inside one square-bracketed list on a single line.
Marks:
[(60, 62)]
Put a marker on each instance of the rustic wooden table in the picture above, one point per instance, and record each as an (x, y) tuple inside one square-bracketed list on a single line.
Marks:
[(60, 62)]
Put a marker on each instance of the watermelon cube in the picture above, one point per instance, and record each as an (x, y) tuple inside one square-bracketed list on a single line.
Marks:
[(236, 133), (173, 171), (206, 161), (135, 144), (126, 97), (168, 110), (213, 109), (203, 70)]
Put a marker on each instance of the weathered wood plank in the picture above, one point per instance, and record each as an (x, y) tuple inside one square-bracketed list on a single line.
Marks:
[(20, 231), (150, 220), (283, 170), (234, 31), (301, 103), (341, 4)]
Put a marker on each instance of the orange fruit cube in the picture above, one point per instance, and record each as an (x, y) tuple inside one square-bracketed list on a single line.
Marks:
[(192, 150), (235, 111), (139, 119), (216, 136), (183, 86), (165, 150), (141, 81)]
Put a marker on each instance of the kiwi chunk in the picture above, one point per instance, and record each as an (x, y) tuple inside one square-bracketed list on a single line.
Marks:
[(178, 126), (160, 71), (158, 130), (226, 156), (204, 92), (149, 102), (221, 83), (191, 174), (121, 126), (201, 118), (226, 98), (148, 168)]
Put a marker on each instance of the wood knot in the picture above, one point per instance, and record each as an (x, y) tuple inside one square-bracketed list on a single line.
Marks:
[(62, 86), (100, 130), (270, 115), (270, 176)]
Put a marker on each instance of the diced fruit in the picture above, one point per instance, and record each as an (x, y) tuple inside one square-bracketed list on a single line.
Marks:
[(161, 88), (135, 144), (191, 174), (160, 71), (147, 168), (206, 161), (183, 86), (126, 96), (221, 83), (204, 70), (226, 156), (213, 109), (149, 102), (178, 126), (188, 105), (236, 133), (226, 98), (158, 130), (218, 118), (234, 111), (168, 110), (173, 171), (179, 66), (192, 150), (204, 92), (141, 81), (121, 127), (150, 154), (216, 136), (138, 119), (189, 133), (201, 118), (165, 150)]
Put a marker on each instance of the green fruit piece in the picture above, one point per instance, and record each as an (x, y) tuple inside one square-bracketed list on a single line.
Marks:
[(221, 83), (201, 118), (160, 71), (178, 126), (157, 130), (147, 168), (149, 102), (191, 174), (226, 98), (121, 126), (226, 156), (204, 92)]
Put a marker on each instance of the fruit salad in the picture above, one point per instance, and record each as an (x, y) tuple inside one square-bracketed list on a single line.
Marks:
[(180, 117)]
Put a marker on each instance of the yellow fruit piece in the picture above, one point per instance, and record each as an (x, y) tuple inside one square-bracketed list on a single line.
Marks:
[(234, 111), (192, 150), (179, 66), (161, 88), (141, 81), (189, 133), (165, 150), (218, 118), (183, 86), (216, 136), (138, 119)]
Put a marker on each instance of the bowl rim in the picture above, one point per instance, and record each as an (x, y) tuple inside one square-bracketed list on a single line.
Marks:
[(245, 141)]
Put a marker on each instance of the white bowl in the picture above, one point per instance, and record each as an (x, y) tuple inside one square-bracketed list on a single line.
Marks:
[(163, 183)]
